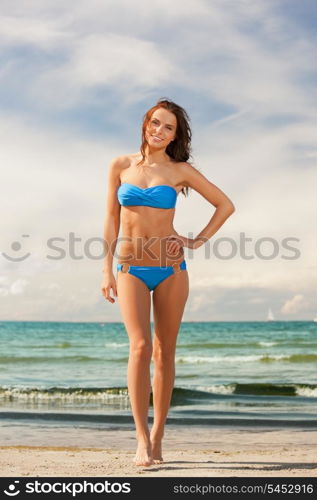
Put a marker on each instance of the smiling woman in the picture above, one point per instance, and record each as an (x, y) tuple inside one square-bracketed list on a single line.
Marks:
[(142, 194), (174, 133)]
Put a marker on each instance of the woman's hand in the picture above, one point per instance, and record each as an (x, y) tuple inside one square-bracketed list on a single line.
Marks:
[(108, 284), (175, 242)]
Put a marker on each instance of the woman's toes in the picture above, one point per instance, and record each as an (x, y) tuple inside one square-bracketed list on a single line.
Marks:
[(143, 456), (144, 462)]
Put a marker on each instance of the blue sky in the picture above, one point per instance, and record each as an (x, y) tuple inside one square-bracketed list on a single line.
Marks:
[(75, 84)]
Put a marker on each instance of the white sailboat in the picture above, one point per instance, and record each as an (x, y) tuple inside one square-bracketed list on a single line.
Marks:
[(270, 316), (315, 319)]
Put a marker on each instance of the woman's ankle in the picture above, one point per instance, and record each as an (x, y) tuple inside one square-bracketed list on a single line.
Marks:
[(143, 438), (157, 435)]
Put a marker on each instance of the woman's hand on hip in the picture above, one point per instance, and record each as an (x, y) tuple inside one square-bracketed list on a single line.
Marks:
[(108, 284), (175, 242)]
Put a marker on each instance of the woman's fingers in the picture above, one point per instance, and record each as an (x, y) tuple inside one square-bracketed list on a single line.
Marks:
[(175, 242), (174, 246), (107, 295)]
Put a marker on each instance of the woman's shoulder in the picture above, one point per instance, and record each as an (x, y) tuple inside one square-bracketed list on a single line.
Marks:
[(120, 163), (184, 167), (184, 164), (186, 173)]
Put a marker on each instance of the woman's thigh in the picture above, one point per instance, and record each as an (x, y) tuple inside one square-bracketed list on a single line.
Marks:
[(169, 299), (135, 305)]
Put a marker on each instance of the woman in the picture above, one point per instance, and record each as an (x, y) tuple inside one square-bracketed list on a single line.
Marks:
[(142, 194)]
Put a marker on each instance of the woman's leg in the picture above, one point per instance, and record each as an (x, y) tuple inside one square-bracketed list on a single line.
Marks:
[(169, 299), (135, 304)]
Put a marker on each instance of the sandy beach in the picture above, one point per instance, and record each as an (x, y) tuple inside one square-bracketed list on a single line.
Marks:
[(194, 452)]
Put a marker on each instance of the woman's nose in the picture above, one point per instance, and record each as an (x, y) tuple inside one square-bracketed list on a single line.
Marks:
[(158, 129)]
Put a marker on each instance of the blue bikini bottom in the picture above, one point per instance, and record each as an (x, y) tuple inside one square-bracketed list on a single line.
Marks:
[(152, 275)]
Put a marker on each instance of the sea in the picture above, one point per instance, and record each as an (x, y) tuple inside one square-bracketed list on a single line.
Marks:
[(237, 374)]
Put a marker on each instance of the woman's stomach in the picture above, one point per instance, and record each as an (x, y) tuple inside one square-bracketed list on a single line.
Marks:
[(142, 251), (144, 241)]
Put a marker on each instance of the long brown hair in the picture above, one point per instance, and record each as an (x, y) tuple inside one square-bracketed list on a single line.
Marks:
[(180, 148)]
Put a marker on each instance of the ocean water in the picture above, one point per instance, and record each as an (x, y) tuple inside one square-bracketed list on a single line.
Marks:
[(227, 373)]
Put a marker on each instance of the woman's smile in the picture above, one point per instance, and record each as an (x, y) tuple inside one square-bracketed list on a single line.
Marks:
[(157, 139)]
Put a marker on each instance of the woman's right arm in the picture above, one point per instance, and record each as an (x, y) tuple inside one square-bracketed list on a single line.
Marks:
[(111, 228)]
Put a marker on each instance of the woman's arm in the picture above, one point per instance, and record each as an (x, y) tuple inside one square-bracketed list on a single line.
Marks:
[(224, 206), (112, 217), (191, 177)]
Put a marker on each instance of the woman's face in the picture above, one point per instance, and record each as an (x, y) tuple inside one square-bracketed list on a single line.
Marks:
[(161, 129)]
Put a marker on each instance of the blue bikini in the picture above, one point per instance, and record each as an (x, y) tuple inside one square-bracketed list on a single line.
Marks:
[(162, 196)]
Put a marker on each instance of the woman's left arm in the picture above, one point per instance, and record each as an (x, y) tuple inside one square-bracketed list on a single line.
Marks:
[(224, 207)]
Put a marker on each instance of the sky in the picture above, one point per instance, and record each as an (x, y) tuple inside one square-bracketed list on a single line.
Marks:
[(76, 81)]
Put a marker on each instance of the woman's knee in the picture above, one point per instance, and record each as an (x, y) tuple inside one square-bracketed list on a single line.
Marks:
[(163, 355), (141, 350)]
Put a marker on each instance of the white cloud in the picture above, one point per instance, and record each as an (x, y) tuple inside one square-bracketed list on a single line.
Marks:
[(18, 31), (223, 59), (123, 62), (198, 302), (53, 286), (293, 305), (18, 287)]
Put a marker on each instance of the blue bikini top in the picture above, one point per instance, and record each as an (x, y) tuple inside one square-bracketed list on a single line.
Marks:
[(162, 196)]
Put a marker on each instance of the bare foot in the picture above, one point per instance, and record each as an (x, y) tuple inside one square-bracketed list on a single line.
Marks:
[(143, 456), (157, 451)]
